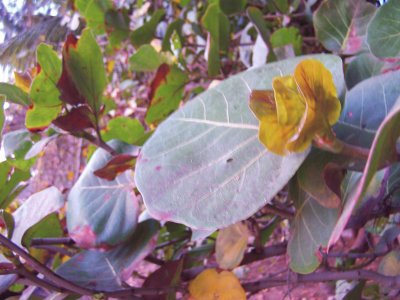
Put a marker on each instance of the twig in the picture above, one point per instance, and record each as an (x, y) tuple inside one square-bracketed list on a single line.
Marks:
[(278, 211), (52, 241), (45, 271), (390, 281)]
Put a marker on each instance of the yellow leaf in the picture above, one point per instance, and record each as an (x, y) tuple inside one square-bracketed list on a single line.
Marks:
[(231, 245), (303, 107), (23, 81), (211, 285)]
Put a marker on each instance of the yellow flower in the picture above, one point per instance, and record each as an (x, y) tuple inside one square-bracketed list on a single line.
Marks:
[(302, 107)]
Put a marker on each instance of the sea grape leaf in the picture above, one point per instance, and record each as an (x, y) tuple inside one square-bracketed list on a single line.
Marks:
[(116, 265), (34, 209), (217, 25), (362, 67), (166, 93), (146, 59), (84, 63), (214, 138), (311, 229), (125, 129), (44, 92), (365, 108), (383, 151), (14, 94), (102, 213), (311, 179), (145, 33), (341, 25), (383, 35)]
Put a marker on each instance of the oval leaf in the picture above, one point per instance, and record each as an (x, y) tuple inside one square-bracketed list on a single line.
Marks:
[(106, 270), (365, 108), (206, 157), (102, 213), (384, 31), (341, 25)]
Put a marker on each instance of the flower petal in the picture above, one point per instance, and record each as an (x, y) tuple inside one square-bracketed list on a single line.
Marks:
[(290, 104), (272, 134), (316, 84)]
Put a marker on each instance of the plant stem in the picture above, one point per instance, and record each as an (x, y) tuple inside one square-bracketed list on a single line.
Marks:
[(391, 281)]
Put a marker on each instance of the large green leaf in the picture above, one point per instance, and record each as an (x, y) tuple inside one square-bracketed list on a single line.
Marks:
[(102, 213), (106, 270), (366, 106), (44, 92), (341, 25), (384, 31), (204, 166), (14, 94), (383, 151), (312, 226)]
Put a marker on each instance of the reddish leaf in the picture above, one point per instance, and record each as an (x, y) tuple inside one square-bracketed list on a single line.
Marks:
[(118, 164), (168, 275), (68, 90), (77, 119), (158, 79)]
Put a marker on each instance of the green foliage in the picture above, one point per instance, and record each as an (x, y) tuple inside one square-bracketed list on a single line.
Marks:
[(146, 59), (217, 25), (176, 104)]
